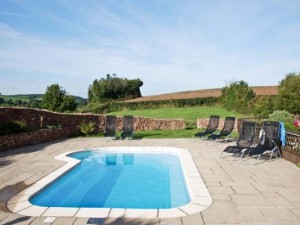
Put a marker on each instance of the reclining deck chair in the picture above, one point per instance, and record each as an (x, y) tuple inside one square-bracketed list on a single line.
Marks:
[(211, 127), (245, 140), (110, 129), (269, 137), (225, 132), (128, 127)]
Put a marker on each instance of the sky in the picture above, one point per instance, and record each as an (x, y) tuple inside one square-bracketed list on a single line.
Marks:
[(171, 45)]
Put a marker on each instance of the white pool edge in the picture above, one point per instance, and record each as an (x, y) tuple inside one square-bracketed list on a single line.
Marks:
[(200, 197)]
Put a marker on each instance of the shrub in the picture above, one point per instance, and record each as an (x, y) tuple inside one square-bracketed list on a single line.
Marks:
[(237, 96), (282, 115), (288, 93), (87, 128), (286, 117), (13, 127)]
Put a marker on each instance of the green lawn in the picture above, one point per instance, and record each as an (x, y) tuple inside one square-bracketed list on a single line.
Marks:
[(14, 98), (190, 114)]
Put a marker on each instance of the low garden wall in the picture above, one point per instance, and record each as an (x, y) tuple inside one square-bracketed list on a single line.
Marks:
[(40, 120), (203, 122), (30, 138)]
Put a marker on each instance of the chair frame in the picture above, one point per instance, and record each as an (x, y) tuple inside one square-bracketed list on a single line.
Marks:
[(211, 127), (125, 131), (238, 148), (108, 132), (225, 134), (263, 148)]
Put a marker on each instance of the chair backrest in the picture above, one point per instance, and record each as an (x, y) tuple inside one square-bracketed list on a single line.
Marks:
[(247, 132), (271, 129), (213, 123), (228, 126), (128, 124), (110, 124)]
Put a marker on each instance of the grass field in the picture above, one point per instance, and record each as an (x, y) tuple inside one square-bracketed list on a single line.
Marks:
[(15, 97), (189, 114)]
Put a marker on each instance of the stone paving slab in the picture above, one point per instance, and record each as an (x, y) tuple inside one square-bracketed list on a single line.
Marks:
[(243, 191)]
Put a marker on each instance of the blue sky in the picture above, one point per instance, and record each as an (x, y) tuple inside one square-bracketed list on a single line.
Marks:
[(171, 45)]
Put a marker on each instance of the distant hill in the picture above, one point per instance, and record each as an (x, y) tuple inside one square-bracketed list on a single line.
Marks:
[(259, 91), (28, 97)]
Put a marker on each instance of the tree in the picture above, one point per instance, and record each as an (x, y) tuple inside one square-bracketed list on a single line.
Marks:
[(68, 104), (114, 88), (237, 96), (33, 103), (264, 105), (1, 101), (56, 99), (288, 97)]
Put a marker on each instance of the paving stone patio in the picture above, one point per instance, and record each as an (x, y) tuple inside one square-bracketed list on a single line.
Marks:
[(243, 191)]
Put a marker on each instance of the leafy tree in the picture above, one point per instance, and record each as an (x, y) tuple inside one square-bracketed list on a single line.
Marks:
[(264, 105), (289, 93), (68, 104), (18, 102), (238, 97), (113, 88), (33, 103), (56, 99), (1, 101), (10, 102)]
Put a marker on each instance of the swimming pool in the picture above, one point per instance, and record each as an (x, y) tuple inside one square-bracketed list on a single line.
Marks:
[(194, 198), (117, 179)]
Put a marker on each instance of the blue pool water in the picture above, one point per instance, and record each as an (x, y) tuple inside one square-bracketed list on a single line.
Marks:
[(118, 180)]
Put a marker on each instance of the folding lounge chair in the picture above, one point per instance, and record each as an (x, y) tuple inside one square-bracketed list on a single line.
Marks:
[(226, 131), (211, 128), (128, 129), (245, 140), (110, 126), (269, 136)]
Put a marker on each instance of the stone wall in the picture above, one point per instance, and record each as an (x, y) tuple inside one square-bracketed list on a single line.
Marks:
[(202, 123), (39, 120), (30, 138)]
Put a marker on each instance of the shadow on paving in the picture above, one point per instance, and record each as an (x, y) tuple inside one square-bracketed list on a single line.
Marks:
[(5, 162), (18, 220), (8, 192), (25, 149)]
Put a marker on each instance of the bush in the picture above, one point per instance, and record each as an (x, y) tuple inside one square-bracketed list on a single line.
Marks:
[(288, 93), (87, 128), (264, 105), (13, 127), (237, 96), (282, 115), (286, 117)]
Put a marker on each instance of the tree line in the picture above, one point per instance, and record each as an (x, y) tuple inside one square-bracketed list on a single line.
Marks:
[(239, 97)]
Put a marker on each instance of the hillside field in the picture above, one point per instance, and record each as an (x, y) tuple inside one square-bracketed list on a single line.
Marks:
[(259, 91), (189, 114)]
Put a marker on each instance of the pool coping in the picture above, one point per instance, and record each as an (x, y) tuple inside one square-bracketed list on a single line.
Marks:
[(199, 194)]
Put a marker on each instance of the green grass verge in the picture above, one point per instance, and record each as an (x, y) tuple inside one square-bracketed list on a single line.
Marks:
[(152, 134), (189, 113)]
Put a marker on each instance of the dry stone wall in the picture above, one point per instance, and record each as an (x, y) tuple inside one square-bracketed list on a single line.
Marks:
[(39, 120), (203, 122), (30, 138)]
